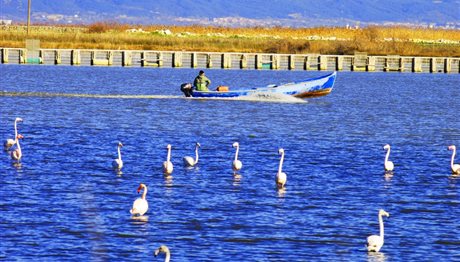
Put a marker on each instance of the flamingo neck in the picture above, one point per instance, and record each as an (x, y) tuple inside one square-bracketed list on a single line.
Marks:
[(281, 163), (119, 153), (387, 155), (236, 153), (381, 226), (144, 194), (196, 155), (168, 158), (452, 159), (17, 144), (15, 128)]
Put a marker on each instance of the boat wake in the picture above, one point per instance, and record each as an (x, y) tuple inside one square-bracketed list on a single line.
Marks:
[(256, 97), (46, 94)]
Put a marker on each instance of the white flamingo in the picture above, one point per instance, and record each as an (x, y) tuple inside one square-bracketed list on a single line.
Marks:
[(454, 167), (375, 242), (236, 164), (16, 154), (167, 165), (189, 161), (10, 142), (281, 177), (163, 249), (118, 163), (389, 166), (140, 205)]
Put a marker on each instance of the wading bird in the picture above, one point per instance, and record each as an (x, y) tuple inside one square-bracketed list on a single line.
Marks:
[(281, 177), (118, 163), (389, 166), (189, 161), (167, 165), (10, 142), (140, 205), (163, 249), (375, 242), (236, 164), (454, 167)]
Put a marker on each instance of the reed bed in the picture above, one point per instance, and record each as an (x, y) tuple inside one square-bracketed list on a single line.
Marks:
[(374, 40)]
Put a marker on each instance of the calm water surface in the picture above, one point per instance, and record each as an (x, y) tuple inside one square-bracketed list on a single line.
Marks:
[(64, 202)]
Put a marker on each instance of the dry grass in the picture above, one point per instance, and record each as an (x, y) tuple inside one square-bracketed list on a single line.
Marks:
[(324, 40)]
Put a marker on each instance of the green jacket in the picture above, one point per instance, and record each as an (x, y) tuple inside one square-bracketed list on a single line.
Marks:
[(201, 83)]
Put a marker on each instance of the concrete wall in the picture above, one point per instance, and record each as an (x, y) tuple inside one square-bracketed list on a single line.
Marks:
[(145, 58)]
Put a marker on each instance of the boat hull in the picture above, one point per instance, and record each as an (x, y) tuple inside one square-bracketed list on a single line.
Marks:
[(314, 87)]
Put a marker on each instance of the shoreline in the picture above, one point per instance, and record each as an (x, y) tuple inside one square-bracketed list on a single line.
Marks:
[(375, 41)]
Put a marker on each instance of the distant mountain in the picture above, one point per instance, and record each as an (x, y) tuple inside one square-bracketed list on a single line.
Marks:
[(237, 12)]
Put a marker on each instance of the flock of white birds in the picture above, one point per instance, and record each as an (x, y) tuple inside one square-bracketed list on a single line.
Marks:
[(140, 205)]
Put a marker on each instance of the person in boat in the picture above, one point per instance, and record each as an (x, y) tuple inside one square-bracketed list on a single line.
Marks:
[(201, 82)]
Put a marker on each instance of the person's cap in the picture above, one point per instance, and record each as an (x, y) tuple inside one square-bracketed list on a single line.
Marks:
[(201, 72)]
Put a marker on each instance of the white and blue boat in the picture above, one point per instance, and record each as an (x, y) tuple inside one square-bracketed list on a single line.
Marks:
[(312, 87)]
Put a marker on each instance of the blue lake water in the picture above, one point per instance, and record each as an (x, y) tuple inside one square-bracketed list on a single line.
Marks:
[(64, 202)]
